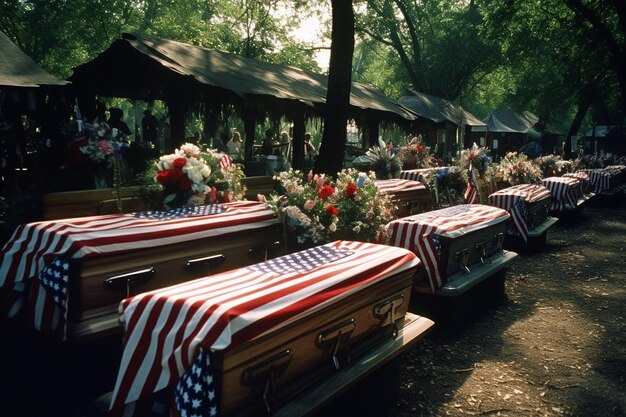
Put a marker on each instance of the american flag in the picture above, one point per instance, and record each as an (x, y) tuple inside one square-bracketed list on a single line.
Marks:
[(180, 212), (396, 185), (514, 199), (583, 177), (34, 247), (471, 193), (165, 329), (195, 394), (420, 233), (225, 161), (565, 192), (603, 179)]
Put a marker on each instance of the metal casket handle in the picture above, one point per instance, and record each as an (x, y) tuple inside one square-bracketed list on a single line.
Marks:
[(387, 308), (206, 261), (264, 249), (339, 337), (266, 372), (130, 277)]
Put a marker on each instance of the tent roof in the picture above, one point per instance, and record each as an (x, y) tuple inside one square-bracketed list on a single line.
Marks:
[(438, 109), (505, 120), (18, 70), (241, 76), (600, 131)]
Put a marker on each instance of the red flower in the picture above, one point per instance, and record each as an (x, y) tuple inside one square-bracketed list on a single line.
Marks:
[(326, 191), (169, 177), (332, 210), (351, 189), (184, 183), (179, 163)]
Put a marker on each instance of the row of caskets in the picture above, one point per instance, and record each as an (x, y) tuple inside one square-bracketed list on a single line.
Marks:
[(205, 292)]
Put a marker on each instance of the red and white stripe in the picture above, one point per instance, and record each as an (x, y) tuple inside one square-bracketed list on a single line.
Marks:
[(395, 185), (415, 232), (565, 192), (583, 178), (510, 199), (225, 161), (34, 245), (165, 328), (471, 192)]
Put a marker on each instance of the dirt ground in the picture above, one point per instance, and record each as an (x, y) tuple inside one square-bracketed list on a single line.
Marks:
[(554, 346)]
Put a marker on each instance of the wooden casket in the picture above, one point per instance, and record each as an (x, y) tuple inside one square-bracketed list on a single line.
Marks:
[(73, 273), (567, 194), (528, 205), (460, 246), (264, 332), (410, 196)]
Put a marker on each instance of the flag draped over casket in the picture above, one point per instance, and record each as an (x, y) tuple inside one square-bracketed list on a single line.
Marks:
[(565, 192), (167, 330), (395, 185), (514, 200), (421, 233), (605, 179), (34, 266)]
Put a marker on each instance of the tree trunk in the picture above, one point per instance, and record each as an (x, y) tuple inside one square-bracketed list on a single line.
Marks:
[(583, 106), (333, 144)]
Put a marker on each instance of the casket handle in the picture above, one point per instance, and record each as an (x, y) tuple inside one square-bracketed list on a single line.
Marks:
[(500, 241), (482, 249), (462, 258), (264, 249), (207, 260), (388, 308), (130, 277), (338, 336), (268, 370)]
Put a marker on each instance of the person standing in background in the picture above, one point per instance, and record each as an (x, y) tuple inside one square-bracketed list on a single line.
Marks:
[(150, 128)]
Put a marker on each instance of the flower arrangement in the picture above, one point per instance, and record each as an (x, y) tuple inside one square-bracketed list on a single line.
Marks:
[(476, 157), (552, 165), (591, 161), (515, 169), (105, 151), (191, 176), (319, 209), (416, 155), (384, 164)]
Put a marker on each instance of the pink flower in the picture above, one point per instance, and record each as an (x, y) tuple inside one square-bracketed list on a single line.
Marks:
[(105, 146), (319, 180), (308, 206)]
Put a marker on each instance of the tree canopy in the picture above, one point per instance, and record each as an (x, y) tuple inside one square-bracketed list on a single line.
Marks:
[(564, 60)]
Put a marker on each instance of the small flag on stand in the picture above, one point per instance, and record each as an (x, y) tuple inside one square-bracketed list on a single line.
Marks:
[(226, 162), (471, 193)]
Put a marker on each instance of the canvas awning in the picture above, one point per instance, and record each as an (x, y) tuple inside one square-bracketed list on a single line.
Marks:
[(505, 120), (438, 109), (121, 71), (18, 70)]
